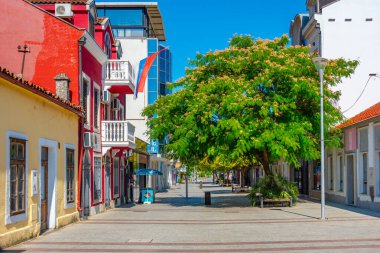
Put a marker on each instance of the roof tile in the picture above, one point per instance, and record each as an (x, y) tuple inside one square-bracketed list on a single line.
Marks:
[(369, 113), (39, 90), (58, 1)]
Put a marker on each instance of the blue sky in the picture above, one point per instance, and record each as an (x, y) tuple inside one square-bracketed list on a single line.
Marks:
[(201, 25)]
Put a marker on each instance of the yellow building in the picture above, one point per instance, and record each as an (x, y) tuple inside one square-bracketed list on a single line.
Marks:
[(38, 159)]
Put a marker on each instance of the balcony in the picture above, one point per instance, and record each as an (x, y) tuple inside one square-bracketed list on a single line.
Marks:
[(120, 77), (118, 134)]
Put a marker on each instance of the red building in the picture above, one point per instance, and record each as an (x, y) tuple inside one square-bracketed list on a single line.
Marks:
[(68, 37)]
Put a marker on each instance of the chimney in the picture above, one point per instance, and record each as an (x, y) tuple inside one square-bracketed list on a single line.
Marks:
[(62, 86)]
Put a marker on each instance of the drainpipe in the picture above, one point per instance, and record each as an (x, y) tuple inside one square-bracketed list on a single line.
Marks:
[(81, 43)]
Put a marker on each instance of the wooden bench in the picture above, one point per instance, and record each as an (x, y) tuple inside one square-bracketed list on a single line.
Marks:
[(238, 188), (275, 201)]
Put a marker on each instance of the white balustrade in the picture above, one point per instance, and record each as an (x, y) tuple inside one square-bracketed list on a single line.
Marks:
[(118, 70), (117, 132)]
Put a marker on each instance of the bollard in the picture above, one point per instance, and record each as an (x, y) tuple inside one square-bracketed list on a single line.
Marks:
[(200, 185), (207, 198)]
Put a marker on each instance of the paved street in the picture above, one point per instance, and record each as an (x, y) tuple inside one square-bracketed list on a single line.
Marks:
[(174, 224)]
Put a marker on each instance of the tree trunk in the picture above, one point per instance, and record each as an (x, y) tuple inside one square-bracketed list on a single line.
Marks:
[(242, 176), (264, 160)]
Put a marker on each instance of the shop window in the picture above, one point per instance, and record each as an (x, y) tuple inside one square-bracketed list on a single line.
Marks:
[(317, 175)]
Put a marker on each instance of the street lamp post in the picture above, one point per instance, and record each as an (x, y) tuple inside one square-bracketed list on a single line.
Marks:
[(320, 64)]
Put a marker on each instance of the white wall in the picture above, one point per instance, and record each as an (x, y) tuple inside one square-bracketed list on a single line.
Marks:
[(135, 50), (356, 40)]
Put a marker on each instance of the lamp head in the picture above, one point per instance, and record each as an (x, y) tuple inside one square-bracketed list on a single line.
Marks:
[(320, 63)]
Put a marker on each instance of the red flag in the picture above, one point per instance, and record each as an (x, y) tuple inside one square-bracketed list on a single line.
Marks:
[(148, 64)]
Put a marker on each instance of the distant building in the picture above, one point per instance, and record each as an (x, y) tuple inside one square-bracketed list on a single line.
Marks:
[(139, 28), (344, 29)]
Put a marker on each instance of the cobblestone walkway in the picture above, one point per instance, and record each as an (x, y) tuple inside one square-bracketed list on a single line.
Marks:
[(177, 224)]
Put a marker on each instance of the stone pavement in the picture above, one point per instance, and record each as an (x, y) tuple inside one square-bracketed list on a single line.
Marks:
[(176, 224)]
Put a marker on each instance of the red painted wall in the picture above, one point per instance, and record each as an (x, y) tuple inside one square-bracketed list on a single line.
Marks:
[(79, 18), (53, 44)]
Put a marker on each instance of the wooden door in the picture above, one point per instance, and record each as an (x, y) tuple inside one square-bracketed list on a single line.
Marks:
[(350, 180), (44, 187)]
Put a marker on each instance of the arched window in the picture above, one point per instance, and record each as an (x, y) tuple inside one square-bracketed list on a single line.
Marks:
[(107, 45)]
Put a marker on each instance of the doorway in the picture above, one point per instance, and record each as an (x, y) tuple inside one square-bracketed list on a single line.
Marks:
[(108, 182), (350, 180), (44, 187), (301, 178)]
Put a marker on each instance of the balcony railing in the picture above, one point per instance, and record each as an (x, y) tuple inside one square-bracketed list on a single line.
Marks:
[(118, 71), (118, 134)]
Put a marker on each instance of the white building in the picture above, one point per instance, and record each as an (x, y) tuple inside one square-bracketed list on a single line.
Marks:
[(353, 171), (139, 28), (347, 29)]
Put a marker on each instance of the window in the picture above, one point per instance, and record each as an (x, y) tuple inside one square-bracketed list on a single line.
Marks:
[(121, 113), (331, 173), (91, 25), (96, 108), (107, 45), (378, 173), (116, 176), (363, 173), (106, 112), (340, 175), (85, 102), (126, 17), (70, 176), (97, 179), (377, 137), (17, 176)]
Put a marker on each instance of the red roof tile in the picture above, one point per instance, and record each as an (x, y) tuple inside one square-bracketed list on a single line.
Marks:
[(58, 1), (369, 113), (39, 90)]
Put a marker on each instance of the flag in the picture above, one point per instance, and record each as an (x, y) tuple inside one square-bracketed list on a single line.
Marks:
[(144, 67)]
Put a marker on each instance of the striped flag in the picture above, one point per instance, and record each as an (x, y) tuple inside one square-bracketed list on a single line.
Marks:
[(144, 67)]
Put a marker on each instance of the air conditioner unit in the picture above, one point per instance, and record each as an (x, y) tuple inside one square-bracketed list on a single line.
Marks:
[(106, 96), (116, 104), (63, 10), (87, 140)]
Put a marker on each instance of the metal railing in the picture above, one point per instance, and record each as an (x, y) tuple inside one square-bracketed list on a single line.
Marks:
[(118, 70), (117, 132)]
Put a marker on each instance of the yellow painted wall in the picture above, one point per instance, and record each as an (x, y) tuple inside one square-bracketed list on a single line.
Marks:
[(36, 117)]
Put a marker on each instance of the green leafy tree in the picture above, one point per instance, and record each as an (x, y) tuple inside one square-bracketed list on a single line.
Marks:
[(256, 99)]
